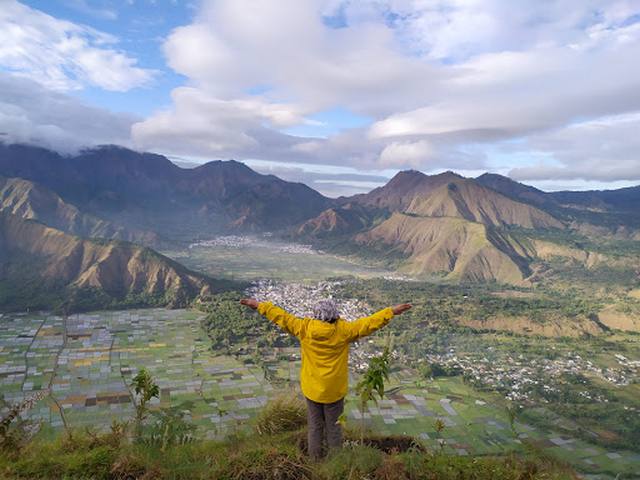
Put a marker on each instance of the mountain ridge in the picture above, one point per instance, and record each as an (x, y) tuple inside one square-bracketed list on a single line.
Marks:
[(57, 260), (147, 189), (465, 198), (462, 225), (35, 202)]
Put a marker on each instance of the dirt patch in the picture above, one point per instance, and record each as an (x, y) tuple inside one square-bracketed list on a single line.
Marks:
[(635, 293), (607, 435), (393, 443), (561, 327), (619, 320), (385, 443), (514, 294)]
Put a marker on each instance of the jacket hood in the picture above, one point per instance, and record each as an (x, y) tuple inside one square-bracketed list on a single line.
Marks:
[(320, 330)]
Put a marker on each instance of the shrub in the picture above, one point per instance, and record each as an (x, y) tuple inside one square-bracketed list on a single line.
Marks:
[(145, 389), (372, 381), (285, 413), (127, 467), (15, 432), (264, 462), (71, 456)]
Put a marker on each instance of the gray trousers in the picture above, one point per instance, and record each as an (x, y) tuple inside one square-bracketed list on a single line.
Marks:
[(322, 421)]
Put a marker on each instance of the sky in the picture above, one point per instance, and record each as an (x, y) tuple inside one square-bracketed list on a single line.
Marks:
[(338, 94)]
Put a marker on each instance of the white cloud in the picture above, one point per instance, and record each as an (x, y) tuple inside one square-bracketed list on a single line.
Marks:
[(506, 94), (284, 44), (607, 149), (201, 124), (399, 154), (445, 82), (62, 55), (440, 78), (30, 113), (332, 183)]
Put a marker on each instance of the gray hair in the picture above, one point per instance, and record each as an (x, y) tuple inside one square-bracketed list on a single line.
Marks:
[(326, 310)]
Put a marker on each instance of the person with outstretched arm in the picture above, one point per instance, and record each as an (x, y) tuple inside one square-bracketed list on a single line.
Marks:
[(324, 345)]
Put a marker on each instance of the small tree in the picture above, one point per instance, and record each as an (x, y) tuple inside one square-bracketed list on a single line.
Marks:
[(373, 382), (439, 426), (145, 388)]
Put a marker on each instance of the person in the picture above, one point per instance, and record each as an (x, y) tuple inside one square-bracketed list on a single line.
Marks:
[(324, 376)]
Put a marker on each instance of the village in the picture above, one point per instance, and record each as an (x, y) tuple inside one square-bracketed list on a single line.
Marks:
[(510, 373), (515, 376), (240, 241)]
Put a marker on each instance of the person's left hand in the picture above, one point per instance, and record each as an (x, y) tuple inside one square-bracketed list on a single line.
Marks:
[(250, 302)]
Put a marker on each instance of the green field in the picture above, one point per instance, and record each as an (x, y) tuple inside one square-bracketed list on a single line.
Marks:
[(88, 360)]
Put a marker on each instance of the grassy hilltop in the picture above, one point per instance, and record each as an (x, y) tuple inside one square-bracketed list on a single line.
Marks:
[(273, 449)]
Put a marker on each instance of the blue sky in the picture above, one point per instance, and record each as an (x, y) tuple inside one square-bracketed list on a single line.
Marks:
[(141, 27), (335, 93)]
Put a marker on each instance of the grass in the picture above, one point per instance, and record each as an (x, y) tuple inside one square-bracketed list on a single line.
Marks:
[(273, 451), (257, 457)]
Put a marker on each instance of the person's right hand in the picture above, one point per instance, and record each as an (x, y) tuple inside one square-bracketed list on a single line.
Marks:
[(250, 302), (401, 308)]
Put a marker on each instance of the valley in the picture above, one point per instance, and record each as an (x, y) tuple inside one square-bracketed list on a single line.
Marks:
[(237, 257), (524, 333), (319, 240)]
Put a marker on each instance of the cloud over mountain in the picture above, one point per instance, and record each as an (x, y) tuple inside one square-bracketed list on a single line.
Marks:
[(540, 90), (31, 113), (438, 80)]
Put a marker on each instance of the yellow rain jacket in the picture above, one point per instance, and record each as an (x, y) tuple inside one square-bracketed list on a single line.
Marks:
[(324, 377)]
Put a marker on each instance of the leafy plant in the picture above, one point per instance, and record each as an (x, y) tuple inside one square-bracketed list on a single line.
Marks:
[(439, 427), (512, 414), (145, 389), (372, 382), (169, 428)]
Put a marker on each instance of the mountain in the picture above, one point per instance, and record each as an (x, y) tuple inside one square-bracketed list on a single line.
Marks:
[(39, 259), (465, 198), (514, 190), (456, 247), (621, 200), (483, 229), (594, 212), (252, 200), (149, 192), (34, 202), (442, 224), (402, 189), (343, 220), (451, 195)]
